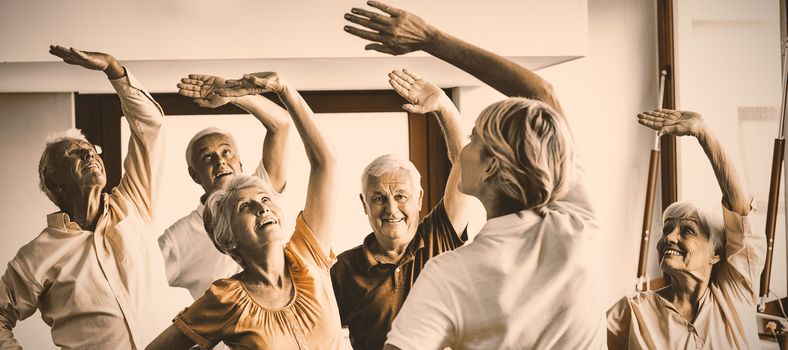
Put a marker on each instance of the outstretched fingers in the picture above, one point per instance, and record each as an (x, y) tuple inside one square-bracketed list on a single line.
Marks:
[(385, 8), (364, 22), (364, 34)]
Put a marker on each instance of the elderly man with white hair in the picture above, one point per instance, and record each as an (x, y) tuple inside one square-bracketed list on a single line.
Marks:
[(93, 271), (213, 160)]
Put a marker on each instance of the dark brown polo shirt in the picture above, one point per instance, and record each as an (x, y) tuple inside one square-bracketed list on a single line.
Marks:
[(370, 294)]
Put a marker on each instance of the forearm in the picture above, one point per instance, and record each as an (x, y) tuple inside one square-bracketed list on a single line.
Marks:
[(276, 120), (500, 73), (319, 151), (734, 193), (115, 70), (453, 132)]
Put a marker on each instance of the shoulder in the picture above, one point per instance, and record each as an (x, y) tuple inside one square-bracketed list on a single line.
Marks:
[(184, 227), (349, 257)]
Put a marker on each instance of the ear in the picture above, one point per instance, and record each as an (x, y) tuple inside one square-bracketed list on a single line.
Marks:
[(489, 168), (363, 203), (240, 166), (715, 259), (193, 175), (421, 196), (51, 185)]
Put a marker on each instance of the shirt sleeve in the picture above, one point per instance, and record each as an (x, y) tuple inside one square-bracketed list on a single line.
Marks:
[(169, 252), (745, 254), (204, 321), (143, 162), (427, 319), (305, 244), (438, 232), (618, 323), (19, 294)]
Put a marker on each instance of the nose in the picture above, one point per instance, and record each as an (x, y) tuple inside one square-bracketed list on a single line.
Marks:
[(262, 209), (390, 207), (672, 236)]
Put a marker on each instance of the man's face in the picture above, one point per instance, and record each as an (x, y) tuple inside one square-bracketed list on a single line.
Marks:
[(76, 164), (214, 162), (392, 203)]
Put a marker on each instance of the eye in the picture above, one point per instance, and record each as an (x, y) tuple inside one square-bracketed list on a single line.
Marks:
[(401, 198), (687, 231), (378, 199), (243, 206), (227, 152), (266, 199)]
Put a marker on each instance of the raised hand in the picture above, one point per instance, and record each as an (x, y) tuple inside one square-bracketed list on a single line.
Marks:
[(670, 122), (90, 60), (396, 32), (424, 97), (202, 90), (252, 84)]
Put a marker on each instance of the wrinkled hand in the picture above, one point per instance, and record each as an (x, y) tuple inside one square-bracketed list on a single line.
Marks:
[(252, 84), (90, 60), (424, 97), (396, 33), (202, 90), (670, 122)]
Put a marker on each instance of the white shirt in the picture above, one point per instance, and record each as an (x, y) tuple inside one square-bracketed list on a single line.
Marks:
[(95, 288), (524, 282), (726, 312), (190, 257)]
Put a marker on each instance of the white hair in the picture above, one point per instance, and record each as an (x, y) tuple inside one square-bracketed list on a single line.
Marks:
[(709, 220), (386, 164), (44, 170), (220, 209), (205, 132)]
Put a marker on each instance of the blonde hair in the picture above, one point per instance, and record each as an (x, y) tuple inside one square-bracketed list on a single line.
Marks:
[(44, 170), (532, 149), (220, 210)]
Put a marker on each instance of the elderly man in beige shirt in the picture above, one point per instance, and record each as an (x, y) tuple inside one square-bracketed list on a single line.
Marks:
[(92, 270)]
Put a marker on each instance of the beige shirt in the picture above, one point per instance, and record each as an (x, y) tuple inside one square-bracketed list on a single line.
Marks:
[(190, 258), (525, 282), (726, 314), (92, 288)]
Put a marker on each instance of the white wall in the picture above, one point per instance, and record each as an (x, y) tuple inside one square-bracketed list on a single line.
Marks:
[(25, 121)]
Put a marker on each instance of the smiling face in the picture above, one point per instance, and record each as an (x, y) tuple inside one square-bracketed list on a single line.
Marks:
[(255, 221), (392, 203), (686, 247), (76, 164), (214, 162)]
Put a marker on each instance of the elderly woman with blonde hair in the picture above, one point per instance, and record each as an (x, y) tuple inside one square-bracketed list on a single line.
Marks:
[(525, 280), (712, 264), (282, 299)]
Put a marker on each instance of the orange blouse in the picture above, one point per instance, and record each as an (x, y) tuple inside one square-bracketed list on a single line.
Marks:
[(226, 312)]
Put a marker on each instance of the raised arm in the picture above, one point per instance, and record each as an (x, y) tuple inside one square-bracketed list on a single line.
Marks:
[(397, 32), (735, 195), (425, 97), (202, 88), (319, 209), (146, 146)]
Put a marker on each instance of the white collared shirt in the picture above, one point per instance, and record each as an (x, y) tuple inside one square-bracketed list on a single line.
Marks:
[(95, 288), (525, 282), (190, 257)]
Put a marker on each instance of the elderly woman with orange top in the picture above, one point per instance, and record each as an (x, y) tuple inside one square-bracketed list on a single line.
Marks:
[(282, 299)]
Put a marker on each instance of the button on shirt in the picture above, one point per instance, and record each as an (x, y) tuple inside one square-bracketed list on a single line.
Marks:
[(370, 293), (93, 288), (525, 282), (726, 312), (190, 257)]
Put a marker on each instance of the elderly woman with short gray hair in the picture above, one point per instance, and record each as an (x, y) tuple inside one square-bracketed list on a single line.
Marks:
[(282, 299), (712, 264)]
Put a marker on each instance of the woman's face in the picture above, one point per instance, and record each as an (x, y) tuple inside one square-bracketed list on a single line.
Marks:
[(684, 246), (255, 221), (472, 166)]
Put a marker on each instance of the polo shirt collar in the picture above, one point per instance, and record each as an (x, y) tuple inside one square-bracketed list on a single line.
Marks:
[(62, 222), (416, 244)]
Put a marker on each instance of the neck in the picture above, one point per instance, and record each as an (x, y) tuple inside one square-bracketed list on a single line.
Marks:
[(389, 251), (686, 290), (84, 207), (499, 205), (270, 270)]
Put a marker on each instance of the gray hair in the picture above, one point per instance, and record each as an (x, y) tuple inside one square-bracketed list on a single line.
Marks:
[(532, 149), (388, 163), (44, 170), (220, 210), (205, 132), (709, 220)]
